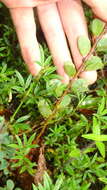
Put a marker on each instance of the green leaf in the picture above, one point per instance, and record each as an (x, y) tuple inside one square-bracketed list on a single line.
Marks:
[(48, 60), (55, 87), (3, 164), (34, 187), (85, 186), (101, 148), (44, 108), (105, 188), (1, 5), (42, 56), (31, 139), (47, 181), (96, 128), (103, 179), (84, 45), (58, 183), (97, 27), (18, 164), (21, 80), (10, 184), (21, 127), (25, 139), (19, 141), (65, 101), (23, 169), (40, 187), (18, 89), (88, 150), (101, 106), (23, 118), (14, 146), (59, 90), (79, 86), (95, 137), (94, 63), (102, 45), (69, 68), (28, 81), (17, 157), (75, 153), (39, 63)]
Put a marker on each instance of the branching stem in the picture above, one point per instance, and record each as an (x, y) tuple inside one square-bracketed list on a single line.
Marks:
[(45, 123)]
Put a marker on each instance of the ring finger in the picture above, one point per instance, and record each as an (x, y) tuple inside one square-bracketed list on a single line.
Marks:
[(74, 23)]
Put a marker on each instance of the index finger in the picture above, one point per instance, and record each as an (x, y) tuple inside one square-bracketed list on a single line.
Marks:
[(23, 19)]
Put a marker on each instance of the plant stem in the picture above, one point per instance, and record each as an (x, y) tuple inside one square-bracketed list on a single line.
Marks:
[(45, 123), (21, 103), (27, 93)]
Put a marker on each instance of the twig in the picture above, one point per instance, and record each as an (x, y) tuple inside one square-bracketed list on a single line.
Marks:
[(45, 123), (21, 103)]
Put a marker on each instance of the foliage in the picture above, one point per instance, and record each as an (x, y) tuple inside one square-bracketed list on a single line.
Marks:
[(9, 186), (5, 152), (22, 150)]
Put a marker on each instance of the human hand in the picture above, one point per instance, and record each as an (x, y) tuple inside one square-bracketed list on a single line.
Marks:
[(57, 19)]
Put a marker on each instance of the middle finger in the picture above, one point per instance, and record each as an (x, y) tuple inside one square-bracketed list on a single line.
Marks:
[(53, 30)]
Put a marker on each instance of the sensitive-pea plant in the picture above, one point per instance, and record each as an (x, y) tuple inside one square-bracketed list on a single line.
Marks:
[(90, 62), (75, 116)]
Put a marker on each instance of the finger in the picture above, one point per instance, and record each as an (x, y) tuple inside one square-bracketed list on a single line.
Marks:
[(75, 25), (25, 3), (52, 28), (23, 19)]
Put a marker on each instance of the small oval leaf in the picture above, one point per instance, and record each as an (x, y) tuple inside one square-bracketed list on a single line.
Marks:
[(102, 45), (44, 108), (65, 101), (79, 86), (97, 27), (69, 68), (94, 63), (10, 184), (84, 45)]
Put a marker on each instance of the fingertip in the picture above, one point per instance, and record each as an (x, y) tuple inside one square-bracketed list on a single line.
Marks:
[(90, 76), (30, 56), (34, 68)]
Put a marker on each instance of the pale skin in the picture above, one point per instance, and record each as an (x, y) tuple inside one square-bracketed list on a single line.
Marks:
[(61, 21)]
